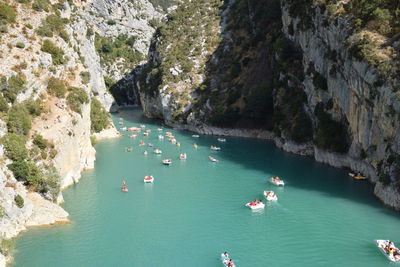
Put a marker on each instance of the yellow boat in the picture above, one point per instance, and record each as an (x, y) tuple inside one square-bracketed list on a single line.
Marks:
[(357, 176)]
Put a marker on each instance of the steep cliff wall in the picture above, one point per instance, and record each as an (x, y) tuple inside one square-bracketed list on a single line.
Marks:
[(121, 31), (49, 71), (355, 93), (318, 77)]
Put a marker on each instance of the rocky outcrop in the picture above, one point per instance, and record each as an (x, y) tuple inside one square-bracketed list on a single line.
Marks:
[(45, 212)]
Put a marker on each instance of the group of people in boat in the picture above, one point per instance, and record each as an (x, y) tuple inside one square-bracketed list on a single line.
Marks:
[(226, 260), (276, 179), (255, 202), (270, 194), (391, 250), (123, 187)]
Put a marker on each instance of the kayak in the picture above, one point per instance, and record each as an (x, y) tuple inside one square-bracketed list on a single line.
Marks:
[(255, 206), (148, 179), (382, 244), (277, 181), (270, 196), (225, 261)]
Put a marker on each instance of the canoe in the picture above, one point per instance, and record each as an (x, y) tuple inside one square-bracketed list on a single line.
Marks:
[(225, 260)]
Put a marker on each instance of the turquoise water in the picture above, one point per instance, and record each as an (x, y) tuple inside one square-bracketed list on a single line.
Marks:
[(195, 209)]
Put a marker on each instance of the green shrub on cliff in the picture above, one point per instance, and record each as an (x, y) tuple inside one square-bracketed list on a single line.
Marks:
[(56, 87), (99, 117), (19, 201), (41, 5), (3, 104), (57, 54), (7, 13), (12, 86), (76, 98), (7, 246), (120, 48), (40, 141), (27, 172), (85, 77), (34, 107), (14, 146), (19, 121)]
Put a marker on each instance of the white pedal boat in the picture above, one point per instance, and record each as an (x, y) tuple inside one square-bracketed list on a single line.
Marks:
[(381, 244), (216, 148), (225, 261), (148, 179), (277, 181), (167, 162), (213, 159), (221, 139), (255, 206), (270, 196), (123, 129), (134, 129), (157, 151), (161, 137), (195, 136), (182, 156)]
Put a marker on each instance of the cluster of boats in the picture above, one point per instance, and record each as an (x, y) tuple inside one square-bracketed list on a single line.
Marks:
[(268, 195), (171, 139)]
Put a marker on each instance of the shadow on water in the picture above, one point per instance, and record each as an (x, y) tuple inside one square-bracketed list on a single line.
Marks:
[(297, 171)]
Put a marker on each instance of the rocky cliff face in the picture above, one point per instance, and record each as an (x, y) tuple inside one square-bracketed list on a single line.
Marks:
[(123, 30), (358, 98), (293, 70)]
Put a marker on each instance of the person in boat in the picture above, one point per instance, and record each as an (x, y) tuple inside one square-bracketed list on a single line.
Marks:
[(123, 183), (230, 263), (226, 255)]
